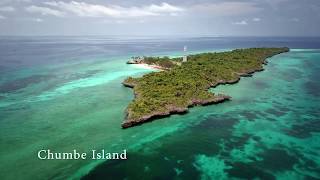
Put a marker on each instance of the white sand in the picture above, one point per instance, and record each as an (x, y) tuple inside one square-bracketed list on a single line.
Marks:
[(146, 66)]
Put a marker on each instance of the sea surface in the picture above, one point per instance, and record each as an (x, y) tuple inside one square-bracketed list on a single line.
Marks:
[(65, 93)]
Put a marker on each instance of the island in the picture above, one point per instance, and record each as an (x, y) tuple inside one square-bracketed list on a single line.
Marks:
[(180, 85)]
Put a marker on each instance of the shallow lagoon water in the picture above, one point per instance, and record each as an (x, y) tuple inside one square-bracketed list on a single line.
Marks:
[(269, 130)]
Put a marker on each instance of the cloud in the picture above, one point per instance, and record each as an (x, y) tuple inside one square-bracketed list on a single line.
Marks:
[(243, 22), (7, 9), (2, 2), (120, 21), (227, 8), (39, 20), (2, 17), (256, 19), (275, 4), (164, 7), (295, 19), (83, 9), (44, 11)]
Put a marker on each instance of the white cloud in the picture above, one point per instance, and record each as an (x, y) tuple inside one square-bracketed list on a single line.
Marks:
[(2, 17), (164, 7), (295, 19), (141, 21), (7, 9), (243, 22), (83, 9), (256, 19), (13, 1), (227, 8), (38, 20), (275, 4), (174, 14), (120, 21), (44, 11)]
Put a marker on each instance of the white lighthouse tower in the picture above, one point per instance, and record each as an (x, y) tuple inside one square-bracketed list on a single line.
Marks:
[(185, 54)]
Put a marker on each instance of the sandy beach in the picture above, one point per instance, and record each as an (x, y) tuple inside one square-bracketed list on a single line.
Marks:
[(146, 66)]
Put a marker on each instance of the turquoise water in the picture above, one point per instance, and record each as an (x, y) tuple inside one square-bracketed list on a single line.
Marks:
[(269, 130)]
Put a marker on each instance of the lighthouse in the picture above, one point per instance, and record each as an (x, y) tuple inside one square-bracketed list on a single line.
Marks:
[(185, 54)]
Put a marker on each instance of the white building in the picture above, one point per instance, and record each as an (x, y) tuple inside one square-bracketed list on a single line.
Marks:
[(185, 57)]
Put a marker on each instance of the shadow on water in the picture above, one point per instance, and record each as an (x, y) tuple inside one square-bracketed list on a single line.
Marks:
[(52, 80), (312, 88), (18, 84), (175, 154), (304, 130)]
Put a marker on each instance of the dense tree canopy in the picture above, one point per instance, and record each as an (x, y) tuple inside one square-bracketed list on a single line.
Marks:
[(186, 83)]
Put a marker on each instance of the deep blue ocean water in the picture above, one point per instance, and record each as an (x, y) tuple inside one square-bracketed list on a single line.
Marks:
[(65, 93)]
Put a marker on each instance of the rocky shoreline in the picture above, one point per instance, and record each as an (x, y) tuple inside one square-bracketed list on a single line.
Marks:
[(177, 110), (171, 109)]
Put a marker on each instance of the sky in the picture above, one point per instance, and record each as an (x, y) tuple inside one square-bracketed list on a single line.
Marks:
[(167, 17)]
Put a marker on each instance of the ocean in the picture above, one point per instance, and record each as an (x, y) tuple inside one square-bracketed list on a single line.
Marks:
[(65, 93)]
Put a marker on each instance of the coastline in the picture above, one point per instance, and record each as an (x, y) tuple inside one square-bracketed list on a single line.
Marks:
[(264, 110), (147, 66), (176, 110), (213, 120), (194, 101)]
